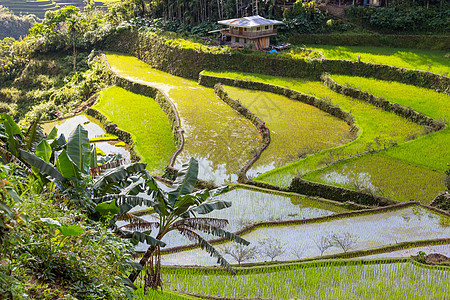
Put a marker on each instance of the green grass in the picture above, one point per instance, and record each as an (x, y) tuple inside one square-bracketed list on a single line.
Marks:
[(217, 136), (296, 129), (383, 176), (430, 151), (161, 295), (144, 119), (327, 281), (377, 127), (426, 60)]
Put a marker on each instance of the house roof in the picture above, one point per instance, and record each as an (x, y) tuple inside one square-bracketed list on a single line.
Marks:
[(249, 22)]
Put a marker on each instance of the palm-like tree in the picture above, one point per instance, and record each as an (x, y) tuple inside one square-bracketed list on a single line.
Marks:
[(177, 210)]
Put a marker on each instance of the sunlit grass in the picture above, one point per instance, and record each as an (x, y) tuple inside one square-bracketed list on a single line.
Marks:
[(378, 128), (217, 136), (296, 129), (384, 176), (325, 281), (143, 118), (430, 151), (426, 60)]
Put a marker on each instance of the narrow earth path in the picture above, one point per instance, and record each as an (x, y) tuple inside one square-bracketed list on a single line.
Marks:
[(217, 136)]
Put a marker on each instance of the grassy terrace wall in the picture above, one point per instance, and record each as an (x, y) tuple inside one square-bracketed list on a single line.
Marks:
[(395, 108), (163, 100), (178, 60), (257, 122), (435, 42), (327, 107), (255, 226)]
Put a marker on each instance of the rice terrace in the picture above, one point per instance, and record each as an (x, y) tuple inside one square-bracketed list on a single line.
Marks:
[(225, 150)]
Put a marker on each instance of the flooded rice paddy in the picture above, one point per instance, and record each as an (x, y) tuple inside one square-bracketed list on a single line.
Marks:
[(368, 231), (217, 136), (95, 130), (250, 207), (296, 129), (384, 176)]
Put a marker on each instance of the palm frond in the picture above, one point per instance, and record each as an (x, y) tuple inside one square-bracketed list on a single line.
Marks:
[(34, 135), (193, 236), (203, 224), (141, 225), (8, 157)]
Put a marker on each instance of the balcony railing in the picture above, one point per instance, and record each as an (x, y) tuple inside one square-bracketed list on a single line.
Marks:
[(249, 34)]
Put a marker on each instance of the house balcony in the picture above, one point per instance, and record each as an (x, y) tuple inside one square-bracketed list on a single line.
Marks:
[(248, 34)]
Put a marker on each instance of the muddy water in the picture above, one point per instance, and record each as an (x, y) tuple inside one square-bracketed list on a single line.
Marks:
[(218, 137), (296, 129)]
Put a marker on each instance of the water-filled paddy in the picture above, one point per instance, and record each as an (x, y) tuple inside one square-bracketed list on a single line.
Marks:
[(66, 126), (384, 176), (369, 231), (250, 207), (378, 128), (95, 130), (379, 281), (441, 249), (296, 129), (217, 136), (144, 119)]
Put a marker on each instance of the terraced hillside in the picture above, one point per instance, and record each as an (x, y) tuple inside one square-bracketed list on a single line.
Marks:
[(40, 7)]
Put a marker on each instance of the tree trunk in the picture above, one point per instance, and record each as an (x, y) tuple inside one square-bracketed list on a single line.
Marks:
[(142, 262)]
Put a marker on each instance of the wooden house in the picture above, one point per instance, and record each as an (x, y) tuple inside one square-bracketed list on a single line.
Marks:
[(254, 30)]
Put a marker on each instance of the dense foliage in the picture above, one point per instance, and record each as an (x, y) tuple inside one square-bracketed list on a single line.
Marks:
[(402, 18), (14, 26)]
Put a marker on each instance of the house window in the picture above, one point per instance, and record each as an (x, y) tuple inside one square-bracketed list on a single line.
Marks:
[(245, 41), (258, 28), (267, 27), (237, 40), (245, 29)]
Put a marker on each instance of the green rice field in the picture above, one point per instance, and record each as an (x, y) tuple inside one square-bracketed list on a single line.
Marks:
[(296, 129), (373, 133), (319, 281), (144, 119), (383, 176), (216, 135), (426, 60)]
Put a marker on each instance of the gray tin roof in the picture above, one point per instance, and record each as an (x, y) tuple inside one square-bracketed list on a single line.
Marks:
[(249, 22)]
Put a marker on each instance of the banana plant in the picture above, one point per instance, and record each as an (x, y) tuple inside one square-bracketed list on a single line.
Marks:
[(177, 210)]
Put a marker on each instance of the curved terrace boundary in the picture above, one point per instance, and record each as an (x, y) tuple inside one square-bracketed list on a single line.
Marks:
[(257, 122), (255, 226), (402, 111), (163, 100)]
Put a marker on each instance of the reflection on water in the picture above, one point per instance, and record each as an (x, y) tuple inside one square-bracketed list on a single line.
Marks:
[(68, 125), (407, 224), (109, 148), (217, 136), (249, 207)]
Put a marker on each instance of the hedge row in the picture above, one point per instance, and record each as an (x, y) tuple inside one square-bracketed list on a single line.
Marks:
[(405, 112), (164, 102), (257, 122), (189, 63), (339, 194), (435, 42), (327, 107)]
